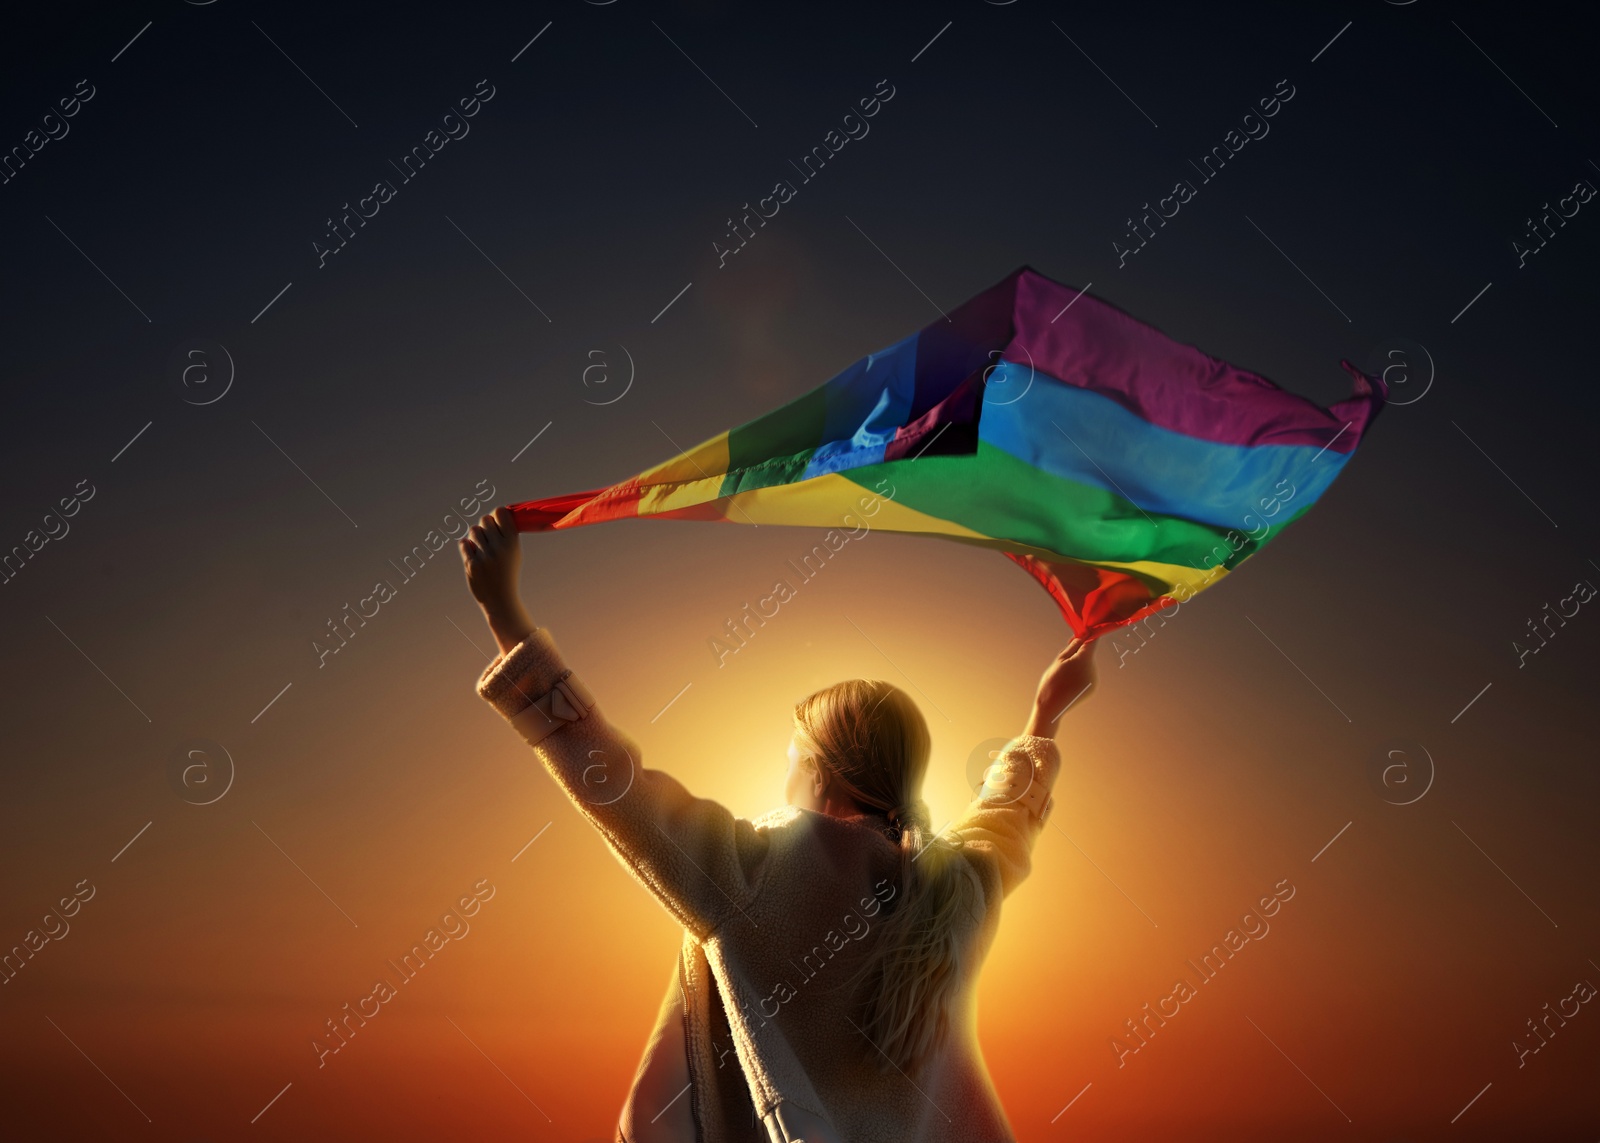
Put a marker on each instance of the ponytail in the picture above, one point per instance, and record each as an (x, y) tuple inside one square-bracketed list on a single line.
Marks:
[(874, 743), (912, 975)]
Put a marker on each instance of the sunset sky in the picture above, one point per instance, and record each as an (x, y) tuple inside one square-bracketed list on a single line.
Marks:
[(218, 435)]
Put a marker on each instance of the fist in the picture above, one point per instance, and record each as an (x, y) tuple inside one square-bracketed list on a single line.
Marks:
[(1068, 677), (491, 555)]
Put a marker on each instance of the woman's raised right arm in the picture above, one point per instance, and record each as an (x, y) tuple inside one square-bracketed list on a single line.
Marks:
[(1005, 819), (1063, 684)]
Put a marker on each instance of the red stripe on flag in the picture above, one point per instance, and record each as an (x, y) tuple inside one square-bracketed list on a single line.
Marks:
[(619, 502), (1107, 599)]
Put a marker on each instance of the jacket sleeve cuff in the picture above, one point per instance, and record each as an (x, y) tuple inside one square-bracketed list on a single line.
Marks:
[(1025, 775), (516, 678)]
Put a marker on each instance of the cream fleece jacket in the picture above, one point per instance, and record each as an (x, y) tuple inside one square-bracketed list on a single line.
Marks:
[(775, 914)]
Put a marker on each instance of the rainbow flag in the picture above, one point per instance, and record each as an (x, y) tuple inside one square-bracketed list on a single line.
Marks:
[(1123, 470)]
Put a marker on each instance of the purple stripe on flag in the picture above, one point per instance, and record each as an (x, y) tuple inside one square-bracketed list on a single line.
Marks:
[(1096, 346)]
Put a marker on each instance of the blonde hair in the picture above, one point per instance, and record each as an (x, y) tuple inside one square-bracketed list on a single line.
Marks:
[(870, 739)]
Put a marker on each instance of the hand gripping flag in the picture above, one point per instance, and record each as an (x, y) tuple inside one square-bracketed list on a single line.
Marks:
[(1123, 470)]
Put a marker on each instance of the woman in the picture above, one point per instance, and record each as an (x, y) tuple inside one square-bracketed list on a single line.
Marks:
[(831, 948)]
